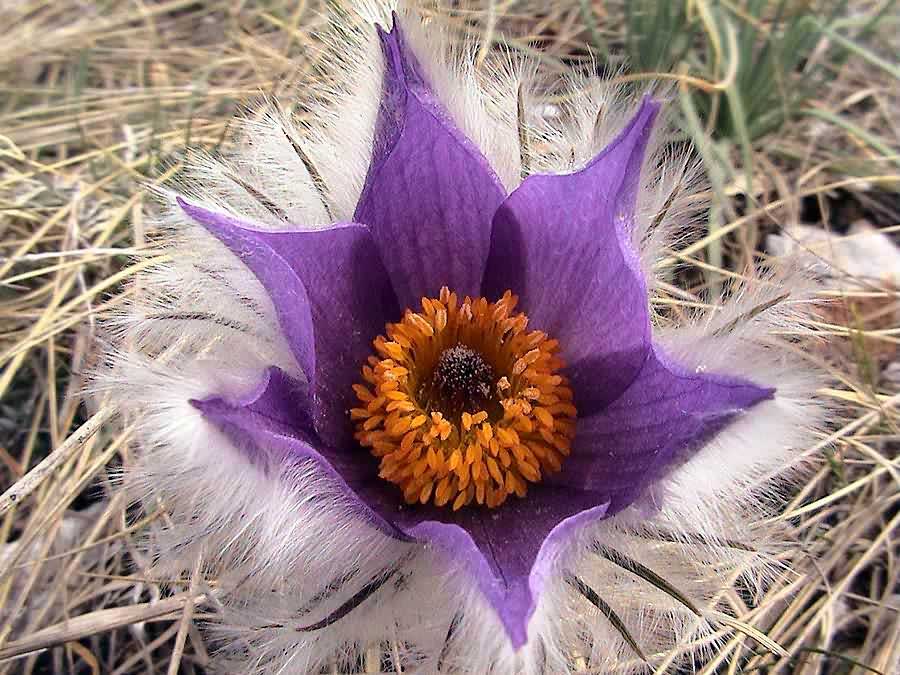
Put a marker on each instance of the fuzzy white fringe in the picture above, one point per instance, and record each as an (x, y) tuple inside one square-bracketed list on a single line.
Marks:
[(286, 553)]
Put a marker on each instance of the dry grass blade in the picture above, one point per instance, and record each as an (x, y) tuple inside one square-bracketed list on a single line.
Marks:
[(33, 479), (99, 622), (186, 616), (751, 632)]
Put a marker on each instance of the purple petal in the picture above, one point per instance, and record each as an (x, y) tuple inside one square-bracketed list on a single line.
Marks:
[(266, 429), (510, 551), (562, 243), (429, 195), (332, 297), (659, 421), (278, 397)]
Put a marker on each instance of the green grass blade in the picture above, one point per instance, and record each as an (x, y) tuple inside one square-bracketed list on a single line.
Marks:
[(861, 51), (587, 13), (862, 134)]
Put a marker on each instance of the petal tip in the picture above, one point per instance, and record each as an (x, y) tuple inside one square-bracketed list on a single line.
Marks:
[(198, 213), (383, 31), (190, 209), (198, 403)]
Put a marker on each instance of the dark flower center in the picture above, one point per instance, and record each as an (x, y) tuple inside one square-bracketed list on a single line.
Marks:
[(462, 382), (462, 404)]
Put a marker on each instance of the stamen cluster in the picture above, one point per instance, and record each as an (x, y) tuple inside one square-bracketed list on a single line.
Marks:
[(462, 404)]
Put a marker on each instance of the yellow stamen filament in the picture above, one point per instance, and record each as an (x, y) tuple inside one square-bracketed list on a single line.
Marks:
[(435, 450)]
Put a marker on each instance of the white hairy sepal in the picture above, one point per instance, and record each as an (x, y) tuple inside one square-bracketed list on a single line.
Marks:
[(742, 337), (275, 538)]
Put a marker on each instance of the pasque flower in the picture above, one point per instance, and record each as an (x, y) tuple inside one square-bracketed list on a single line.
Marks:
[(402, 385)]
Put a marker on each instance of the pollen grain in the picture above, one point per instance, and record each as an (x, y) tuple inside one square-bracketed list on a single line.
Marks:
[(462, 404)]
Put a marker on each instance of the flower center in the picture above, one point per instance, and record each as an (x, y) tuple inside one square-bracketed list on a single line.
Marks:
[(462, 382), (461, 404)]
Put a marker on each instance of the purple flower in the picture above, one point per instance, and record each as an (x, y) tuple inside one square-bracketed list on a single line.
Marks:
[(432, 217), (452, 392)]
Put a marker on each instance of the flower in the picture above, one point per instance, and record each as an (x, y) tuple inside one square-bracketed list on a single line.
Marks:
[(415, 418)]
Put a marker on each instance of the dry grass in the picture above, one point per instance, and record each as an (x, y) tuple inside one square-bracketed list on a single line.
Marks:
[(100, 96)]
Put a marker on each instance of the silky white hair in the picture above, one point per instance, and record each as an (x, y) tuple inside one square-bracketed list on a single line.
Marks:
[(286, 549)]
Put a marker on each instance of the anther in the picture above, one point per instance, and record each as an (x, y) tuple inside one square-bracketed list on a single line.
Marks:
[(463, 406)]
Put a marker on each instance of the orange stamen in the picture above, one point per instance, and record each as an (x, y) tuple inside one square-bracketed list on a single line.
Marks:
[(435, 449)]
